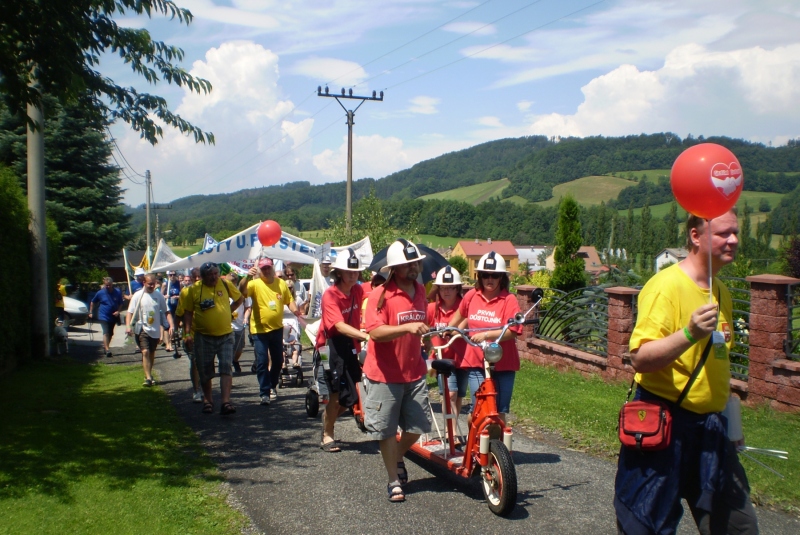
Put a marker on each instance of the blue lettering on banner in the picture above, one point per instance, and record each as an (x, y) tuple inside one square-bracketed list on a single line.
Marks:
[(284, 243), (253, 239), (241, 242), (227, 244)]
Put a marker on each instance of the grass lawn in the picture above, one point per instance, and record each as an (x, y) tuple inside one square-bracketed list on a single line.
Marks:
[(584, 413), (589, 190), (474, 194), (86, 449)]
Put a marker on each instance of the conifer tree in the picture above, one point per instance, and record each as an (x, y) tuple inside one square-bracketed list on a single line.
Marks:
[(569, 273)]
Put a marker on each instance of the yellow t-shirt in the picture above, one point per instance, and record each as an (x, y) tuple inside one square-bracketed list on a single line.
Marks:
[(61, 292), (216, 320), (268, 302), (666, 304)]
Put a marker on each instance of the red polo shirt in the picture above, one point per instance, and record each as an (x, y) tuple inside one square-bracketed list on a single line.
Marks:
[(495, 313), (337, 307), (438, 318), (399, 360)]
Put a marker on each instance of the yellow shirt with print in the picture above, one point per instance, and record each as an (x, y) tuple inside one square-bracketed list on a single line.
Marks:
[(214, 321), (665, 306), (268, 302)]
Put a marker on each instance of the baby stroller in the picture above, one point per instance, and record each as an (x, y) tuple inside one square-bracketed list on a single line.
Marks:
[(292, 370)]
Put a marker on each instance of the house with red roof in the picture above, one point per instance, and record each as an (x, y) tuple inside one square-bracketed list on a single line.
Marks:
[(474, 250)]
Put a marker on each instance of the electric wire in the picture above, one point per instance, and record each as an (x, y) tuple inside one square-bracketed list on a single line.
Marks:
[(414, 59), (114, 141), (493, 46)]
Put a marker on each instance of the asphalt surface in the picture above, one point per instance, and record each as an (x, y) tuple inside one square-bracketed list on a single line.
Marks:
[(285, 483)]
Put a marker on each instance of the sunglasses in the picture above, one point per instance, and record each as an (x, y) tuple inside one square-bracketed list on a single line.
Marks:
[(494, 276)]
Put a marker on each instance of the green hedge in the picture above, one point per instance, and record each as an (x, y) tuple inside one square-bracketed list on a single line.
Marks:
[(15, 284)]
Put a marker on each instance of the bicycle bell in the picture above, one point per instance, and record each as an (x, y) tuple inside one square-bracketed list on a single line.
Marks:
[(492, 352)]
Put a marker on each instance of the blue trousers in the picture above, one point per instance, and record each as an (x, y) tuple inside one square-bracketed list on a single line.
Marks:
[(268, 345)]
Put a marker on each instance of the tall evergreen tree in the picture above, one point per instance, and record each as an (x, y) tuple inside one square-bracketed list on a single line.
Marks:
[(569, 273), (671, 226), (82, 188), (745, 234), (630, 229)]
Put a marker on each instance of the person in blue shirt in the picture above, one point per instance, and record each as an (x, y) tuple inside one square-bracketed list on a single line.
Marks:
[(105, 307), (136, 284)]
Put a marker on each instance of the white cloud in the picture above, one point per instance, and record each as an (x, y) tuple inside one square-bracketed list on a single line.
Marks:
[(742, 93), (491, 122), (257, 140), (245, 14), (373, 156), (474, 28), (330, 70), (524, 105), (424, 105)]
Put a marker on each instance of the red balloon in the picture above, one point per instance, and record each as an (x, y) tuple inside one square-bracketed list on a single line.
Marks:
[(269, 232), (707, 180)]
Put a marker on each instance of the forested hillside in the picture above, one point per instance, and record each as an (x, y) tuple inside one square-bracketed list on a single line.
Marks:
[(533, 165), (573, 158)]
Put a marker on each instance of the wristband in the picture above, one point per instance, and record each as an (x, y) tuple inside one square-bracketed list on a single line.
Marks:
[(689, 335), (187, 337)]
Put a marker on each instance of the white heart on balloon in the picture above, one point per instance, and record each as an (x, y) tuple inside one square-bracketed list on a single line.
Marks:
[(726, 177)]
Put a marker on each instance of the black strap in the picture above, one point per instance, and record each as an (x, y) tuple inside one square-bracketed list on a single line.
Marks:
[(696, 371)]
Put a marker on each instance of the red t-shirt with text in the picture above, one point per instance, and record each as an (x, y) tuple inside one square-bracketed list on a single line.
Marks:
[(399, 360), (438, 318), (494, 313), (338, 307)]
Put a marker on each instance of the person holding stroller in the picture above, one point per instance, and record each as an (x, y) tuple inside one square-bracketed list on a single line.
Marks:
[(445, 299), (339, 329), (489, 305), (397, 394)]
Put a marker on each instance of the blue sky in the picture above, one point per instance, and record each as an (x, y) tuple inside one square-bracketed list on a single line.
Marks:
[(455, 74)]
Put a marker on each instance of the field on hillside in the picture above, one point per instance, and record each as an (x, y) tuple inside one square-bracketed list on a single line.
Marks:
[(474, 195), (589, 190), (753, 198)]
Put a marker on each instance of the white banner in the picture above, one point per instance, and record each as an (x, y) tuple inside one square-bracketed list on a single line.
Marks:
[(245, 246), (164, 256)]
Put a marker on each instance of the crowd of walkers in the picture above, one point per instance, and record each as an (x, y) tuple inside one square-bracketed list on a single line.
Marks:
[(372, 332)]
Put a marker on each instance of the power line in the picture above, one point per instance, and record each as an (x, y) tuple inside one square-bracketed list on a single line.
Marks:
[(114, 141), (412, 60), (494, 45)]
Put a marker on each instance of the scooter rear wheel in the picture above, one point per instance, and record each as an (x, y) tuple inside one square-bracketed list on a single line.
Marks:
[(499, 481)]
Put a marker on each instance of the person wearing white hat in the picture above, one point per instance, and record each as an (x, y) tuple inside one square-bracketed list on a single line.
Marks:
[(446, 297), (339, 330), (491, 305), (397, 395), (136, 284)]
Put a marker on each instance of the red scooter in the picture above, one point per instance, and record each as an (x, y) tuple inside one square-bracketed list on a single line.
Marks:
[(488, 446)]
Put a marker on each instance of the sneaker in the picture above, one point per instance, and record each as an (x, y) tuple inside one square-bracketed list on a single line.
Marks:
[(197, 397), (148, 382), (273, 395), (108, 354), (265, 400), (236, 367)]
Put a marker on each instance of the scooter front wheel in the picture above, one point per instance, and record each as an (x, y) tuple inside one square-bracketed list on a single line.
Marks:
[(312, 403), (499, 480)]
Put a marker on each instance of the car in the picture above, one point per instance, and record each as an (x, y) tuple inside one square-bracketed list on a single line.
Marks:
[(75, 312), (306, 284)]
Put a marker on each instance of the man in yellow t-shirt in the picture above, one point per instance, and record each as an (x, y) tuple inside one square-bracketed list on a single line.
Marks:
[(269, 294), (207, 321), (675, 323)]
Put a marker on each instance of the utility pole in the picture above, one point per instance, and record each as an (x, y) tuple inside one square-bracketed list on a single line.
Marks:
[(147, 207), (350, 116), (41, 291)]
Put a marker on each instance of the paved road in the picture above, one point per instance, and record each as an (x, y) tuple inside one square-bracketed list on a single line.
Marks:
[(286, 484)]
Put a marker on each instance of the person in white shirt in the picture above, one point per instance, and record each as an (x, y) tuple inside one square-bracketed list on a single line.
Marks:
[(147, 314)]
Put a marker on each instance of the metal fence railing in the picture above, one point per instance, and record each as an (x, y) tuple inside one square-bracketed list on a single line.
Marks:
[(740, 354), (792, 343), (578, 319)]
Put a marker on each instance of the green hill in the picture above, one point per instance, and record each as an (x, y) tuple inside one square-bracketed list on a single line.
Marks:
[(473, 195)]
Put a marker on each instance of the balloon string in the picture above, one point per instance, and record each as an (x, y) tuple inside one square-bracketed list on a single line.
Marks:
[(710, 274)]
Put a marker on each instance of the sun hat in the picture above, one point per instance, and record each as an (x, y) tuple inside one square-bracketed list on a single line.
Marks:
[(264, 262), (402, 252), (492, 261), (351, 262), (138, 271), (448, 276)]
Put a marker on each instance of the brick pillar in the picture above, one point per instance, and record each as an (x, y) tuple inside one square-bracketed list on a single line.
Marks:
[(525, 299), (620, 327), (768, 330)]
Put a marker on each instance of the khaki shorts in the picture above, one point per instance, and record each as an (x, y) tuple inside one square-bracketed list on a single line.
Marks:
[(146, 343), (391, 405)]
